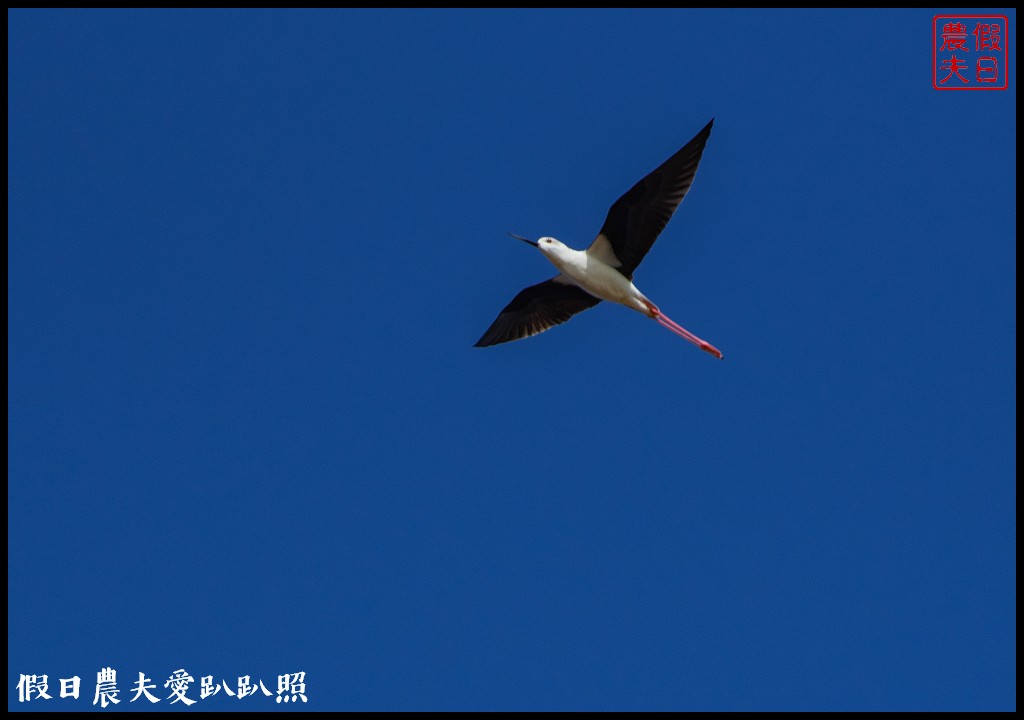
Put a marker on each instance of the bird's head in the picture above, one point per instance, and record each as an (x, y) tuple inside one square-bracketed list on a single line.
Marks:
[(547, 245)]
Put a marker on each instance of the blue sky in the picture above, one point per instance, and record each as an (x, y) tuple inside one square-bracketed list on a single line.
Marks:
[(249, 254)]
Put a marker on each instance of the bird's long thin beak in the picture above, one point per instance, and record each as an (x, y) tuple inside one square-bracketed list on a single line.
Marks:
[(519, 237)]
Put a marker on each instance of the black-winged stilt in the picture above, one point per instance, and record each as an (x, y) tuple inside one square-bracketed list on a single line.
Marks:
[(604, 271)]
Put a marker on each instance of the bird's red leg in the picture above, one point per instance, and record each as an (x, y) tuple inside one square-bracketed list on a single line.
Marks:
[(667, 322)]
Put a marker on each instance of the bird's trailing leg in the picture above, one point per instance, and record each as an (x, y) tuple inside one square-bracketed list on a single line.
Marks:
[(665, 321)]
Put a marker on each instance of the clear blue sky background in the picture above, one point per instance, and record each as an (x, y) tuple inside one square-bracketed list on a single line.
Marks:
[(249, 254)]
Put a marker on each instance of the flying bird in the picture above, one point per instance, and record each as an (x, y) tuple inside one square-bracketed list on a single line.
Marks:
[(604, 271)]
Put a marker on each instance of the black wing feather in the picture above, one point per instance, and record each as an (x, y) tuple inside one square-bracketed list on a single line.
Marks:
[(536, 309), (638, 217)]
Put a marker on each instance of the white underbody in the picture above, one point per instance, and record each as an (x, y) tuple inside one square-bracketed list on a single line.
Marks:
[(591, 273)]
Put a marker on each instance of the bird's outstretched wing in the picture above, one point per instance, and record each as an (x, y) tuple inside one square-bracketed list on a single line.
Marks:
[(536, 309), (636, 218)]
